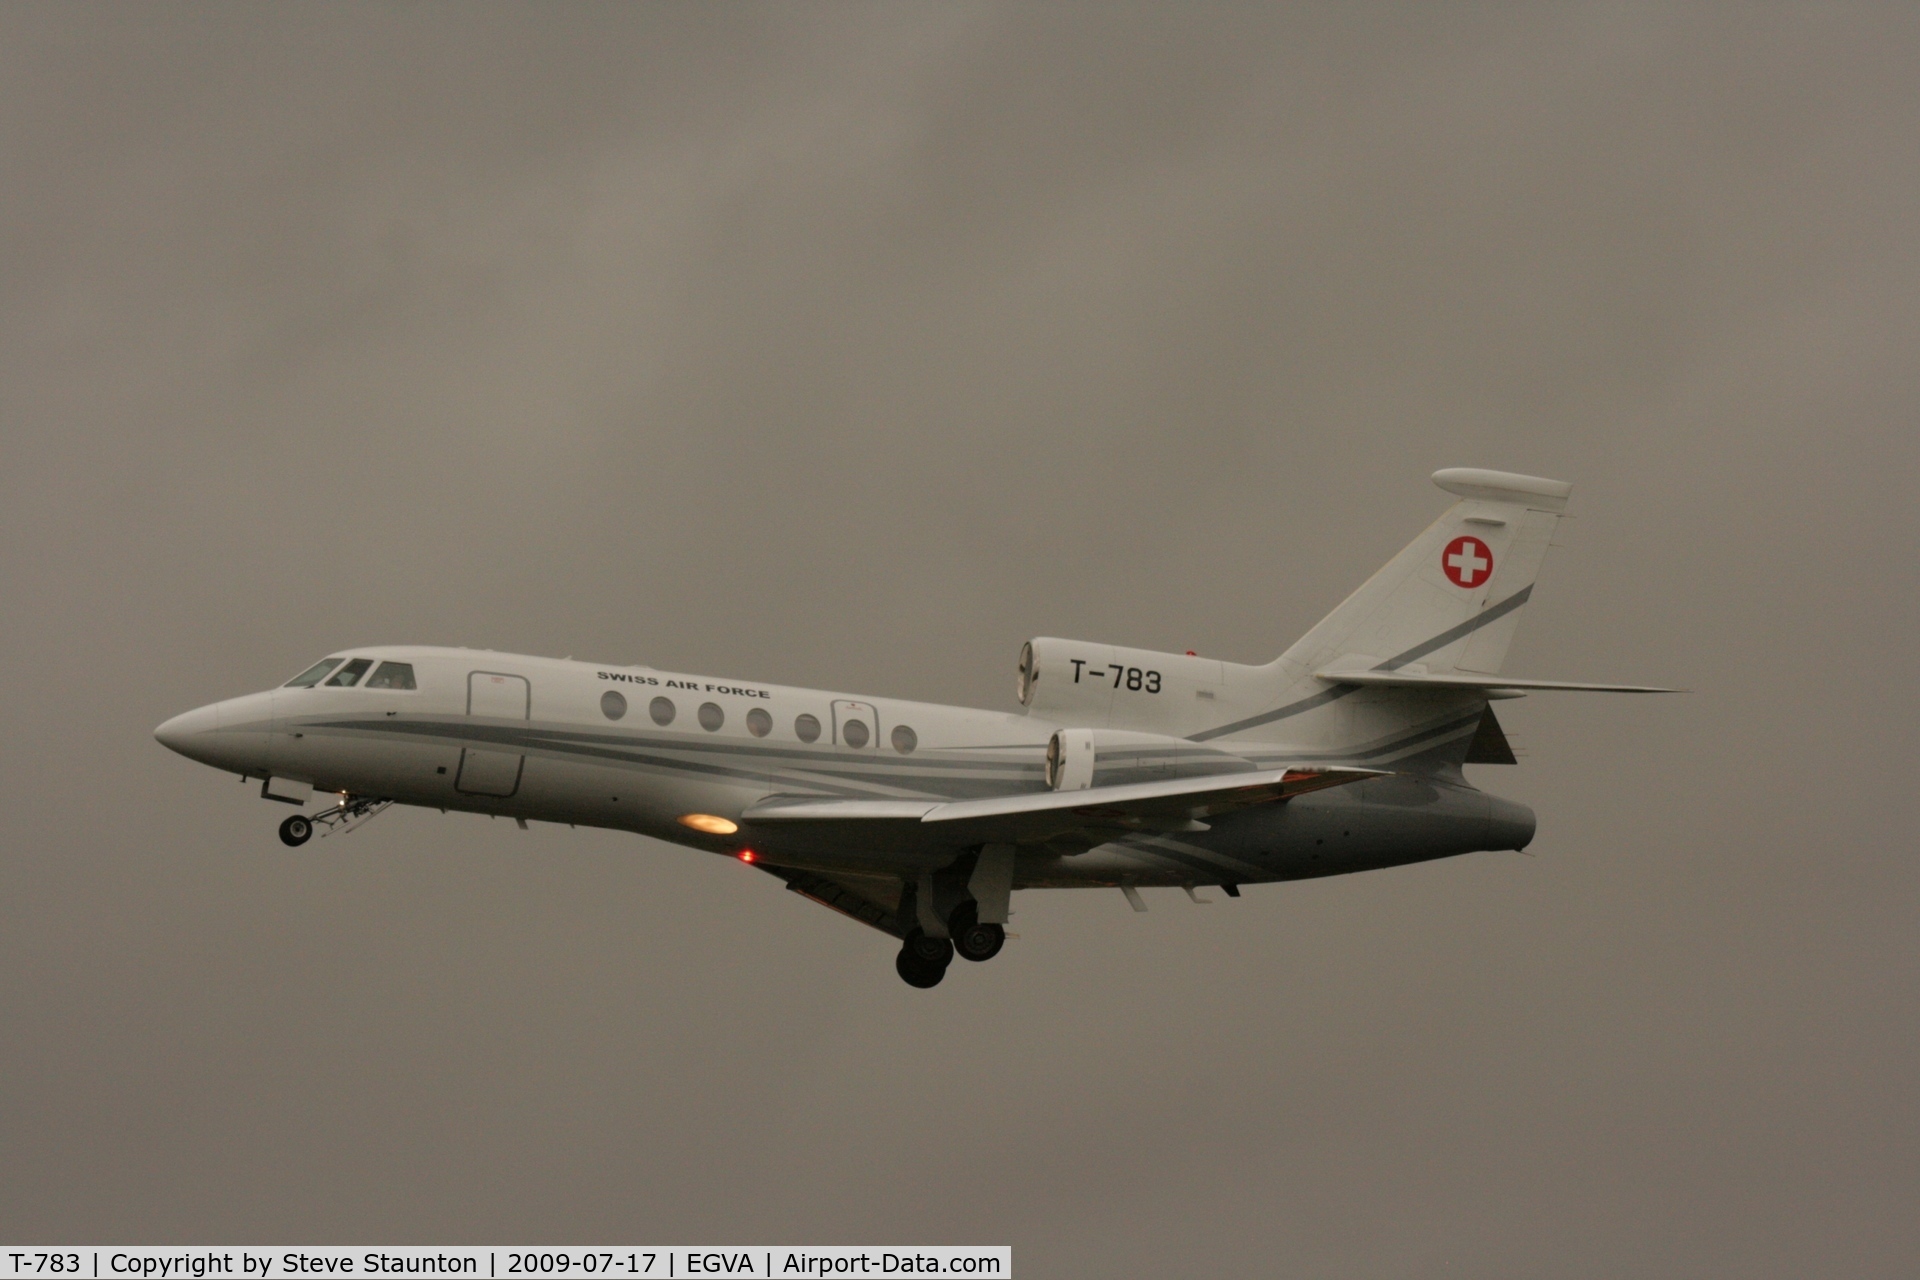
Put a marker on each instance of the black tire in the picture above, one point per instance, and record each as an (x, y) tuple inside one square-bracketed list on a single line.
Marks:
[(916, 972), (296, 831), (937, 952), (978, 942), (971, 939)]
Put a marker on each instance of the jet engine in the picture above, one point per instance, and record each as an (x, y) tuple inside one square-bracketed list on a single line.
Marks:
[(1082, 758), (1105, 686)]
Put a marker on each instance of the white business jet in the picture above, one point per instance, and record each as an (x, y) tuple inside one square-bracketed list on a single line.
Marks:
[(1123, 768)]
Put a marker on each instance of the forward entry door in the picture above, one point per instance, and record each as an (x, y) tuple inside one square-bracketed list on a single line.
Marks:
[(492, 698), (856, 725)]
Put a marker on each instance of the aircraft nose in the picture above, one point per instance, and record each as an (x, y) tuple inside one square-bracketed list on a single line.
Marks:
[(178, 734)]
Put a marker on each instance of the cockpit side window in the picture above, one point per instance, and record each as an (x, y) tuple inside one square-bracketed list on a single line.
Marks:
[(312, 675), (349, 675), (392, 675)]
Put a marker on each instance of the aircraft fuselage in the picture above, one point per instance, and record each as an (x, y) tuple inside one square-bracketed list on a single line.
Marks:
[(642, 750)]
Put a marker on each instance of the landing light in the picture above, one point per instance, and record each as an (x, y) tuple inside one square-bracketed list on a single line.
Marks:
[(712, 824)]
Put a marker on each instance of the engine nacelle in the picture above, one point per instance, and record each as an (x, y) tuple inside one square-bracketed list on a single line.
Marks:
[(1082, 758), (1105, 686)]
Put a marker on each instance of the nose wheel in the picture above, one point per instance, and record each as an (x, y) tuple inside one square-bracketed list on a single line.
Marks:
[(345, 816)]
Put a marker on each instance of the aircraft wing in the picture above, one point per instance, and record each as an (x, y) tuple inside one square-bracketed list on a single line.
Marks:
[(872, 900), (1096, 813), (1402, 680)]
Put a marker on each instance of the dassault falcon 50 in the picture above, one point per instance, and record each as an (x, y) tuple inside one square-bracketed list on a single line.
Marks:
[(1123, 768)]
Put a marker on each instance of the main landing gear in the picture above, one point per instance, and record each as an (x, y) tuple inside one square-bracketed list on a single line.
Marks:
[(971, 939), (345, 816), (923, 959)]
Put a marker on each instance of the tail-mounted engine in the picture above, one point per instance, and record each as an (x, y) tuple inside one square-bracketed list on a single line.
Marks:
[(1082, 758), (1105, 686)]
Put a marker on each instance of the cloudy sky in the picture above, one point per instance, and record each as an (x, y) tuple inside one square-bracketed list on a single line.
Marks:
[(849, 346)]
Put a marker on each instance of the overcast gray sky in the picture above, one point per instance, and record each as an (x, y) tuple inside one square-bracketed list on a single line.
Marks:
[(849, 346)]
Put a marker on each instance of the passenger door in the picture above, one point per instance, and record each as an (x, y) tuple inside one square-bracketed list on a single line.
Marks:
[(492, 771), (856, 725)]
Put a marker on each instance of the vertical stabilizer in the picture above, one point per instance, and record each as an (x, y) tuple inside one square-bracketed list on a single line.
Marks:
[(1447, 605), (1451, 600)]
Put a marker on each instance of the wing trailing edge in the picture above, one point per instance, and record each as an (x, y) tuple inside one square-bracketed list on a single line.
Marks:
[(872, 900), (1095, 812), (1418, 680)]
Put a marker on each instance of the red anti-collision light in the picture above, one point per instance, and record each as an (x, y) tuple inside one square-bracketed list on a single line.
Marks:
[(746, 855)]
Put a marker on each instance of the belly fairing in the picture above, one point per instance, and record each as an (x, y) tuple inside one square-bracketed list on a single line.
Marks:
[(1381, 823)]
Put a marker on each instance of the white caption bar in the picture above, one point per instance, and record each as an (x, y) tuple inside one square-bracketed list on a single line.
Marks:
[(498, 1262)]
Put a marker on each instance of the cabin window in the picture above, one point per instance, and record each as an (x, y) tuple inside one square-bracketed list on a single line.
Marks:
[(613, 704), (349, 675), (759, 723), (661, 709), (855, 732), (904, 739), (806, 728), (711, 716), (313, 674), (392, 675)]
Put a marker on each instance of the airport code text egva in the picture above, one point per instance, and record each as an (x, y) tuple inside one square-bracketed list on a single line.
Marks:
[(179, 1264)]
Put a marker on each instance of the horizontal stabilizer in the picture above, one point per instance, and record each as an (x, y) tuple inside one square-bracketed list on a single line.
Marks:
[(1505, 486), (1411, 680)]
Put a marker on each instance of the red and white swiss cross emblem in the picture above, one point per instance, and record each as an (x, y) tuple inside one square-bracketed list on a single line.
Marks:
[(1467, 562)]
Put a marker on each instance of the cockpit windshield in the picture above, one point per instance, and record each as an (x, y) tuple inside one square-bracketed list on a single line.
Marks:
[(392, 675), (349, 675), (313, 674)]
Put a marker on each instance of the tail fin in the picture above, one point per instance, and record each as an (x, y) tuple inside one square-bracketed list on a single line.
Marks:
[(1400, 674), (1451, 601)]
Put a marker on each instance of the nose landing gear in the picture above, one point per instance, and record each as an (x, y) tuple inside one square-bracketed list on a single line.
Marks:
[(345, 816)]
